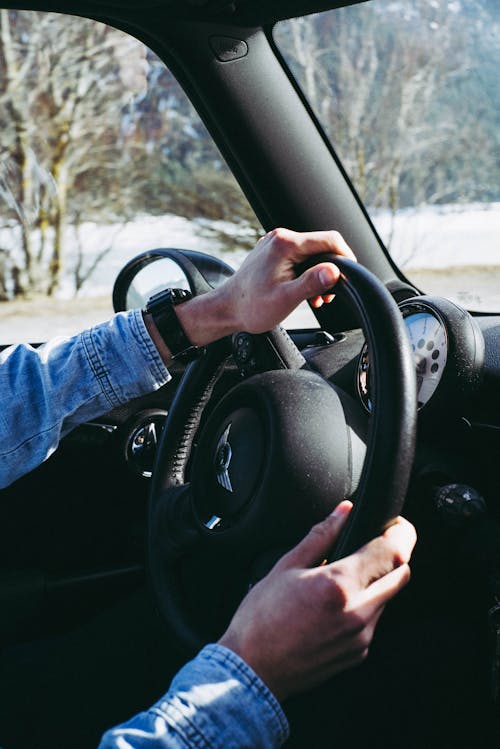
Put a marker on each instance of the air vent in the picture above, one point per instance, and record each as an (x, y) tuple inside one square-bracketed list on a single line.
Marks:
[(143, 434)]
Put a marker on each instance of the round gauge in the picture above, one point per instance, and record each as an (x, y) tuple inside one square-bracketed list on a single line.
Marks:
[(448, 348), (363, 378), (429, 344)]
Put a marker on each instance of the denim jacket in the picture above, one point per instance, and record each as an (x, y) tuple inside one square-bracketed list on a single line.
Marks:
[(46, 392), (216, 701)]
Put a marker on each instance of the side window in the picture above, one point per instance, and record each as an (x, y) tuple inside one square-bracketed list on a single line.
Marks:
[(408, 93), (102, 156)]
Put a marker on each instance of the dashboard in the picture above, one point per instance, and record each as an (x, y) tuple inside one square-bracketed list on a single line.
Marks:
[(457, 378), (102, 469), (457, 364)]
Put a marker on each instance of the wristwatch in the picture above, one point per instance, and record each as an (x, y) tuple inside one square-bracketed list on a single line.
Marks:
[(161, 307)]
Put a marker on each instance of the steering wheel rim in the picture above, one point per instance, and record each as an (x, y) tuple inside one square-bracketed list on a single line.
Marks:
[(172, 525)]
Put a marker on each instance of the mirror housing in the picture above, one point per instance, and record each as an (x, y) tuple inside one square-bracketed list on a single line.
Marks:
[(189, 269)]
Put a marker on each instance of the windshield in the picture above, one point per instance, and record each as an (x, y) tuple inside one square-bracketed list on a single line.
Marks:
[(102, 157), (408, 94)]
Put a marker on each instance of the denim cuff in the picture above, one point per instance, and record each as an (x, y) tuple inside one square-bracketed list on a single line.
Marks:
[(219, 701), (215, 702), (124, 359)]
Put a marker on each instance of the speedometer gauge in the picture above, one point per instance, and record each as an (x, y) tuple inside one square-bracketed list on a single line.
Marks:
[(448, 349), (428, 342)]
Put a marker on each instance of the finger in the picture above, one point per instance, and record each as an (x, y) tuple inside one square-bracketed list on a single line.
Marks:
[(385, 553), (403, 533), (318, 543), (313, 283), (317, 242), (316, 302), (319, 301), (383, 589), (317, 281)]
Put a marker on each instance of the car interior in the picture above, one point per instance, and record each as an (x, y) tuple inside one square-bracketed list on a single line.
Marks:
[(104, 593)]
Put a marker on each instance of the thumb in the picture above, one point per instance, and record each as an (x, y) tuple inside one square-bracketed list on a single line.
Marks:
[(318, 543), (314, 282)]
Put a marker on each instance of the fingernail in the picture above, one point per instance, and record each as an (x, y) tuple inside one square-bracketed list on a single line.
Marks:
[(343, 508), (325, 277)]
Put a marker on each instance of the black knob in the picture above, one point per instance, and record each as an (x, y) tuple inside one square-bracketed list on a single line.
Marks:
[(459, 504)]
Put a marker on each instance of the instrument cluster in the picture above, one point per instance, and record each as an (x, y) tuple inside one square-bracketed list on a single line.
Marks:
[(448, 351)]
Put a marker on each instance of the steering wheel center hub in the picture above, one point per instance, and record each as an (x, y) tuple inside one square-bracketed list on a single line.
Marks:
[(223, 461), (258, 465), (228, 465)]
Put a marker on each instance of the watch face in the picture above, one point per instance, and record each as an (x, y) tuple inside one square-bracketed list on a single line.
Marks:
[(180, 295), (167, 297), (161, 307)]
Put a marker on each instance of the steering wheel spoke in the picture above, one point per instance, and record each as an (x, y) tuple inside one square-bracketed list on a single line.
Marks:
[(260, 353), (173, 525)]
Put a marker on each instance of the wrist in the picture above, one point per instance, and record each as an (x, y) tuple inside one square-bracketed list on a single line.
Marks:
[(155, 336), (208, 317), (256, 662), (164, 325), (203, 319)]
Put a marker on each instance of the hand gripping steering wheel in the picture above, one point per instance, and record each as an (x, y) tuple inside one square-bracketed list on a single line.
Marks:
[(238, 483)]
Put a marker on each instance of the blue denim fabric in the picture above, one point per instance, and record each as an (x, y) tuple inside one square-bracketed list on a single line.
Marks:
[(46, 392), (215, 702)]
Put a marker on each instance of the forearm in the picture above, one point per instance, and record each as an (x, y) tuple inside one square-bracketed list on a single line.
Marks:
[(46, 392), (214, 702)]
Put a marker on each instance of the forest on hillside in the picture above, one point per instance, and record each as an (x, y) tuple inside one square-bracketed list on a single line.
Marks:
[(409, 94), (95, 128)]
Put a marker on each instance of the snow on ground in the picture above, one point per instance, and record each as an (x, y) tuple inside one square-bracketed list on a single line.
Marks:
[(451, 250), (448, 250), (128, 239), (437, 237)]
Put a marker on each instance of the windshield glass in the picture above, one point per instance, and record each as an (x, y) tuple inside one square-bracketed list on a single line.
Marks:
[(102, 157), (408, 94)]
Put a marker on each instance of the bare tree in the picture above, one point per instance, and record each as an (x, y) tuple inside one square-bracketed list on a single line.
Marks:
[(65, 98), (386, 80)]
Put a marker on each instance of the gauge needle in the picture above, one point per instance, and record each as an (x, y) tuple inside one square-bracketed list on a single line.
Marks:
[(420, 364)]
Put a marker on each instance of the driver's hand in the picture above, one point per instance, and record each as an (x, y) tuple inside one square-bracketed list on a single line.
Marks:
[(307, 621), (266, 288)]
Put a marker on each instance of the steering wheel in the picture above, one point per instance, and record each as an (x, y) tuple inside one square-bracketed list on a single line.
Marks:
[(238, 483)]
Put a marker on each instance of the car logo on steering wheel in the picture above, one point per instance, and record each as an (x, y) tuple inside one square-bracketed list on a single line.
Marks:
[(222, 461)]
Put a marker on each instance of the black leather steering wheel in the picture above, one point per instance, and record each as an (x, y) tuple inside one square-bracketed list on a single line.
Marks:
[(276, 454)]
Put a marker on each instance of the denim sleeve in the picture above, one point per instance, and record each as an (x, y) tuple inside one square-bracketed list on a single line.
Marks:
[(215, 702), (47, 391)]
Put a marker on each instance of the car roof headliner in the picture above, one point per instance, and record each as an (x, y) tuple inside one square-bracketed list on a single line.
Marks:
[(237, 12)]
